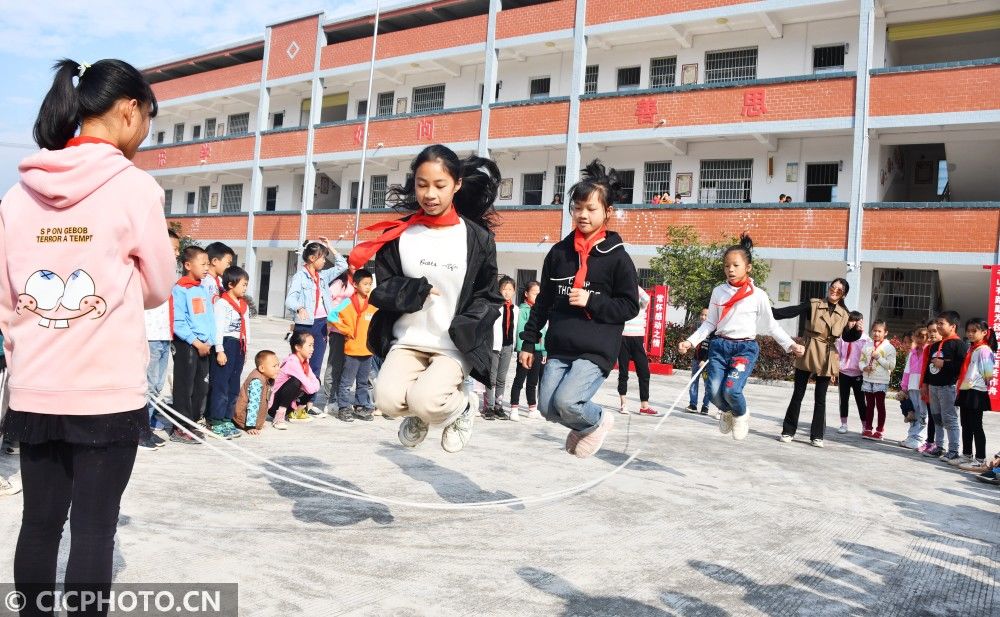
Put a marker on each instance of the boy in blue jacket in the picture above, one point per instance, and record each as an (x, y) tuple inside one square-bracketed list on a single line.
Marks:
[(194, 330)]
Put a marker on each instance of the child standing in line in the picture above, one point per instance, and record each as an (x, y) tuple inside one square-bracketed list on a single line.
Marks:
[(231, 337), (530, 374), (353, 324), (295, 384), (159, 332), (589, 291), (633, 350), (933, 336), (700, 358), (910, 387), (849, 378), (973, 398), (341, 291), (737, 311), (503, 347), (878, 359), (194, 334), (250, 412), (940, 381), (220, 258)]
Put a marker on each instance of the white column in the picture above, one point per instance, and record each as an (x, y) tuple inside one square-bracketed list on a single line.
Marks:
[(575, 89), (256, 178), (859, 163), (489, 79)]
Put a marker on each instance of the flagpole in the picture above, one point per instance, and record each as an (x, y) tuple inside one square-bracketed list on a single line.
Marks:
[(364, 139)]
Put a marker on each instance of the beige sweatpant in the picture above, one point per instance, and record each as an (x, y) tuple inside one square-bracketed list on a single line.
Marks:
[(417, 383)]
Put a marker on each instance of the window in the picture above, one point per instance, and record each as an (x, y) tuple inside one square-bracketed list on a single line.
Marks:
[(539, 88), (189, 202), (232, 197), (278, 120), (626, 185), (656, 179), (178, 133), (647, 278), (821, 181), (531, 189), (662, 72), (239, 124), (560, 184), (160, 136), (829, 59), (385, 104), (271, 199), (496, 95), (725, 181), (628, 78), (196, 132), (428, 98), (264, 287), (731, 65), (203, 195), (362, 108), (590, 79), (168, 200), (355, 189), (379, 185), (210, 128), (810, 289)]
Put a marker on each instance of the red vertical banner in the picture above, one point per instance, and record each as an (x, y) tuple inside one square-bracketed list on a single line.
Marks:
[(658, 300), (994, 321)]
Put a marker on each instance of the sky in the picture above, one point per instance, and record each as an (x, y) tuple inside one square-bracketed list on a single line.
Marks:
[(34, 34)]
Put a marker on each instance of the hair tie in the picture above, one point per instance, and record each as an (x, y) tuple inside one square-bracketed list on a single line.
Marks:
[(80, 70)]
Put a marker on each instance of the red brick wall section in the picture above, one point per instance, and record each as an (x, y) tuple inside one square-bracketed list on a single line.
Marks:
[(534, 19), (793, 101), (340, 225), (292, 143), (229, 77), (303, 34), (227, 228), (275, 227), (453, 33), (447, 128), (207, 153), (960, 89), (813, 229), (529, 120), (529, 226), (960, 231), (603, 11)]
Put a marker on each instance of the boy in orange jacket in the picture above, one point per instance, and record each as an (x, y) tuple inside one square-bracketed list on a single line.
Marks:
[(353, 323)]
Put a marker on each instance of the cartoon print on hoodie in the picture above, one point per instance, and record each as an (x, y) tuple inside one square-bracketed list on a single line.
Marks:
[(46, 295)]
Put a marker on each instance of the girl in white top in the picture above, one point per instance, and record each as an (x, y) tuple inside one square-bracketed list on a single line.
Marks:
[(878, 359), (737, 312), (973, 392)]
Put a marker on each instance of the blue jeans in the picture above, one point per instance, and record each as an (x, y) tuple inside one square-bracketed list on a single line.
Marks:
[(156, 372), (356, 370), (224, 381), (945, 415), (565, 392), (919, 414), (729, 366), (318, 330), (693, 390)]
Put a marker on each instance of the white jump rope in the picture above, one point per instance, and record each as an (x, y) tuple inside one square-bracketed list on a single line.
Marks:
[(322, 486)]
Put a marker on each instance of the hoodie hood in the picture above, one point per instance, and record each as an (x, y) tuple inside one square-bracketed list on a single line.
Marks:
[(63, 178)]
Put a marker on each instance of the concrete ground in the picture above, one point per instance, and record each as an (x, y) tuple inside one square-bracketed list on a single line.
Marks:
[(698, 525)]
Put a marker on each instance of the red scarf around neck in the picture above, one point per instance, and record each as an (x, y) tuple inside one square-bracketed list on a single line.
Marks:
[(241, 308), (743, 290), (583, 246), (508, 311), (87, 139), (365, 251), (967, 361), (186, 282), (871, 360), (360, 307)]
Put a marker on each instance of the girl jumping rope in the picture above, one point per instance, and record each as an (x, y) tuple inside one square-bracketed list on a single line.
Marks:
[(437, 296), (737, 311)]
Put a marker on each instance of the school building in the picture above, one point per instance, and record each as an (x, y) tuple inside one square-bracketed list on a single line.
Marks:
[(880, 118)]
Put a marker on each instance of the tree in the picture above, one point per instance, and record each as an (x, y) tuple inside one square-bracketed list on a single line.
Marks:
[(692, 268)]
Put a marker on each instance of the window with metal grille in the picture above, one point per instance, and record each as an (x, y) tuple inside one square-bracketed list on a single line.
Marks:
[(239, 124), (362, 108), (203, 195), (232, 197), (168, 200), (662, 72), (725, 181), (626, 185), (196, 132), (628, 78), (656, 180), (590, 79), (560, 183), (386, 100), (428, 98), (271, 199), (178, 133), (647, 278), (210, 128), (355, 189), (531, 189), (731, 65), (829, 58), (189, 202), (377, 190), (539, 88), (821, 181)]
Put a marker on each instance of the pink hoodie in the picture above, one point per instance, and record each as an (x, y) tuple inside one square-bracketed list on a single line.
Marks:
[(85, 245), (291, 366)]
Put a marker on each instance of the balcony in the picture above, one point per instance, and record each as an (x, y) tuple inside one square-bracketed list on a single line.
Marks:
[(218, 151), (452, 126), (224, 227), (604, 11), (283, 143), (922, 229), (536, 19), (530, 118), (944, 88), (247, 74)]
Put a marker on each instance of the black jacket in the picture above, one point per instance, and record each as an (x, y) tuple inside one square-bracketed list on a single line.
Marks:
[(478, 305), (593, 333)]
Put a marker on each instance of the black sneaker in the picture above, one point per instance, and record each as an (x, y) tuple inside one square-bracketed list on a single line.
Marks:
[(704, 411), (158, 441), (691, 409), (346, 414), (182, 436), (361, 413), (11, 448), (500, 413), (989, 476), (147, 443), (488, 414)]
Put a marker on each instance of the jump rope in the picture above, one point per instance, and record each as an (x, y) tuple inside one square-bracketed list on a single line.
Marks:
[(323, 486)]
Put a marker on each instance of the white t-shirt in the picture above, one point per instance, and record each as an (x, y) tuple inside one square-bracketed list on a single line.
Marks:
[(158, 326), (439, 254)]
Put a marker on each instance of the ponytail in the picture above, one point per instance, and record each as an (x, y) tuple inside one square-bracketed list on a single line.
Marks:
[(97, 89), (745, 246), (595, 177)]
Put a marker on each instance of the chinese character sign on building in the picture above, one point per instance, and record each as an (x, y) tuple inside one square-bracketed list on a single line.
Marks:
[(161, 158), (754, 103), (646, 110), (658, 300), (994, 321), (425, 129), (204, 153), (359, 134)]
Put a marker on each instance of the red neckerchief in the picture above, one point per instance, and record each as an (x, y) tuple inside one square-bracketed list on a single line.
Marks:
[(220, 292), (871, 360), (305, 366), (529, 301), (508, 313), (744, 290), (967, 361), (582, 246), (391, 230), (188, 282), (241, 308), (315, 278), (360, 308), (185, 281), (87, 139)]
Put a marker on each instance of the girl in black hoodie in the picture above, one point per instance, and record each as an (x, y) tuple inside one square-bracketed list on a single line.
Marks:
[(589, 290)]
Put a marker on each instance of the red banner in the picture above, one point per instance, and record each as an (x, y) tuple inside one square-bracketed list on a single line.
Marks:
[(658, 298), (993, 319)]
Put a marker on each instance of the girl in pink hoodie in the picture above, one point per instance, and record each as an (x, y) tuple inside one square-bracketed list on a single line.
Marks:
[(296, 384), (85, 248)]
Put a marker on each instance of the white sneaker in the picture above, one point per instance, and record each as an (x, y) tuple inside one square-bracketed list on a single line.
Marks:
[(976, 464), (534, 414), (331, 409), (818, 443), (623, 409), (457, 434), (961, 460), (726, 422), (9, 487), (412, 430), (515, 414), (741, 426), (843, 429), (785, 438)]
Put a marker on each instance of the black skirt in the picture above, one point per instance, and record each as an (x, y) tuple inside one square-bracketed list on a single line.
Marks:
[(94, 430), (975, 401)]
